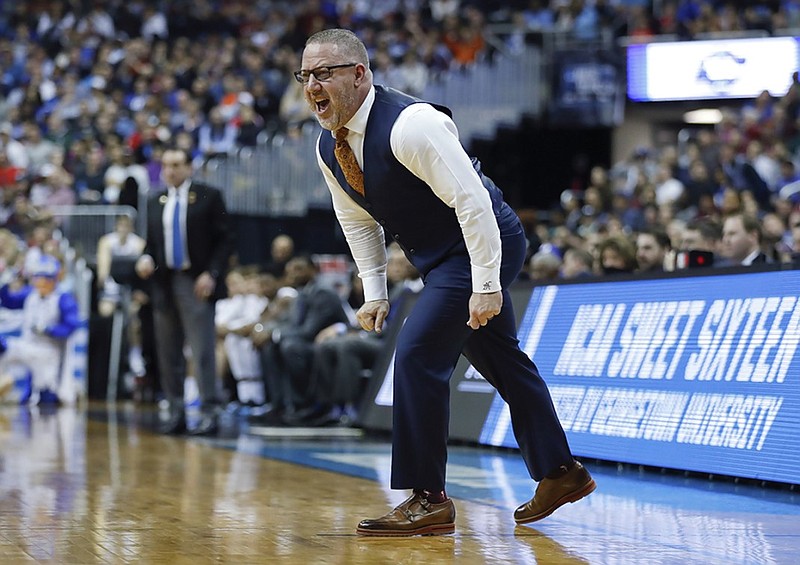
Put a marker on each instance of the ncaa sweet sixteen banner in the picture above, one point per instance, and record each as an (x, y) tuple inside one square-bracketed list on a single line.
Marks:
[(699, 373)]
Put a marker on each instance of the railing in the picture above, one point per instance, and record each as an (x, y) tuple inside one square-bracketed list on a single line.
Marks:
[(83, 225), (280, 177)]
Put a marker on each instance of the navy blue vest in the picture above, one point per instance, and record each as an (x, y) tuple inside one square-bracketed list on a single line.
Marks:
[(425, 227)]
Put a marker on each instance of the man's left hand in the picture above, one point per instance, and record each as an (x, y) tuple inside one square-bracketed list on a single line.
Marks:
[(484, 307)]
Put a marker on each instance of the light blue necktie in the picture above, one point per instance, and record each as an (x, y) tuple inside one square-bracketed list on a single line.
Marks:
[(177, 239)]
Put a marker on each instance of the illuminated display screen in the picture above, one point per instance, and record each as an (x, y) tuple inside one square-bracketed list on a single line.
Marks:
[(699, 373), (697, 70)]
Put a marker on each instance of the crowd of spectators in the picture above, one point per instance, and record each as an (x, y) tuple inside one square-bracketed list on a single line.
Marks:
[(289, 348), (91, 93), (592, 20), (747, 166)]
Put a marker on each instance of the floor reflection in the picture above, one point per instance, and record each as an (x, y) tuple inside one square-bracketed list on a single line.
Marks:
[(98, 486)]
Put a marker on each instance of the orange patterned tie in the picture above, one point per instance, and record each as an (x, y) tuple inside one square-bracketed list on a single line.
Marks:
[(347, 161)]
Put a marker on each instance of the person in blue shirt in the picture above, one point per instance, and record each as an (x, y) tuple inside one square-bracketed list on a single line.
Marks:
[(50, 316)]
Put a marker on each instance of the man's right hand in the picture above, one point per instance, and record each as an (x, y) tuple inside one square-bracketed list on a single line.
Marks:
[(372, 315), (145, 266)]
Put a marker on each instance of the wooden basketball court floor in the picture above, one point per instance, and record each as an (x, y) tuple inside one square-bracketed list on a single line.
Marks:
[(96, 485)]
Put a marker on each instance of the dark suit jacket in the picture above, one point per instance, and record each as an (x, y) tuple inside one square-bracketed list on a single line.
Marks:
[(762, 259), (315, 308), (208, 234)]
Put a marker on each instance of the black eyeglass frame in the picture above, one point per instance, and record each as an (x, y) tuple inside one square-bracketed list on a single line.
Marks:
[(302, 76)]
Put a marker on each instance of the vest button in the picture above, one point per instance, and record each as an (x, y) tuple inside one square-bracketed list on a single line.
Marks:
[(396, 236), (382, 222), (412, 251)]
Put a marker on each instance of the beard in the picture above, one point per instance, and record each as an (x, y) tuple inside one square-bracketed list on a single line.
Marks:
[(337, 119)]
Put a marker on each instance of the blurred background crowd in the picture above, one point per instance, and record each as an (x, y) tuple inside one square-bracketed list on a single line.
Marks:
[(91, 92)]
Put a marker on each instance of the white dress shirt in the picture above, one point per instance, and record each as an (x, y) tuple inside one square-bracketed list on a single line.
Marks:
[(748, 261), (180, 193), (425, 141)]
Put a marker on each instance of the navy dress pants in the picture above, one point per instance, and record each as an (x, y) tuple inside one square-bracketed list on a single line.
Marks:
[(428, 348)]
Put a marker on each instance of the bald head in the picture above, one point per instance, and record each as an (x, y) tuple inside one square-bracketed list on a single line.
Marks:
[(348, 44), (336, 76)]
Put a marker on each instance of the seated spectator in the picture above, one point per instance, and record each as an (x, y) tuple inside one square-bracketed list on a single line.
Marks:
[(281, 251), (90, 175), (15, 150), (50, 317), (11, 256), (617, 255), (342, 354), (51, 188), (578, 263), (795, 245), (775, 237), (288, 348), (669, 190), (653, 249), (700, 245), (36, 241), (117, 246), (700, 184), (544, 266), (40, 150), (217, 138), (119, 287), (412, 74), (703, 234), (115, 176), (250, 126), (9, 174), (741, 241), (226, 309), (539, 16), (464, 40), (235, 316), (293, 108)]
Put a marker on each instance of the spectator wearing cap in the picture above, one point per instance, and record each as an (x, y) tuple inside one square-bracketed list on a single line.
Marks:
[(50, 316)]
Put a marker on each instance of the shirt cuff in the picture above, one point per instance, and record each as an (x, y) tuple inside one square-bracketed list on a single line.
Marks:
[(485, 279), (375, 288)]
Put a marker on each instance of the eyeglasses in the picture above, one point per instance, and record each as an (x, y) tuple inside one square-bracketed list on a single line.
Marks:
[(320, 73)]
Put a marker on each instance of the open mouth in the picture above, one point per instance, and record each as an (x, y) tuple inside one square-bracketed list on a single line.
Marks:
[(322, 105)]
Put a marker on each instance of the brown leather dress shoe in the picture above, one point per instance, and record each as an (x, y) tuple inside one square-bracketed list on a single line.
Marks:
[(551, 494), (416, 516)]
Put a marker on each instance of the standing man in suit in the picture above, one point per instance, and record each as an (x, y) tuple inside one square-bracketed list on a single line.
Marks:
[(393, 162), (188, 248)]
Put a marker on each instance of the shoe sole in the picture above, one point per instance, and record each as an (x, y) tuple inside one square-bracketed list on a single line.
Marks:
[(571, 497), (434, 530)]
